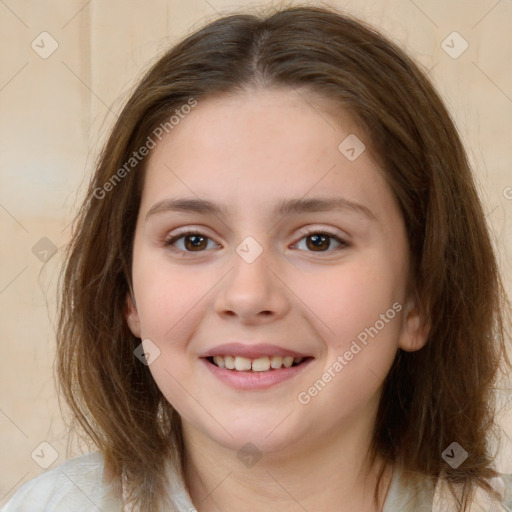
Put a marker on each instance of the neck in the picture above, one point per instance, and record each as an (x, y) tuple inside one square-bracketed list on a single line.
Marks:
[(331, 475)]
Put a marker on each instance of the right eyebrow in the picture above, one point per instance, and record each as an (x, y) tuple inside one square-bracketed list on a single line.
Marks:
[(283, 208)]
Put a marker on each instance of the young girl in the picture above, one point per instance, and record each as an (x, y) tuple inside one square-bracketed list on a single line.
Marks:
[(281, 293)]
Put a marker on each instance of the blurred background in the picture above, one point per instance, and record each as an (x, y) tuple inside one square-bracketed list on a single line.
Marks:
[(66, 70)]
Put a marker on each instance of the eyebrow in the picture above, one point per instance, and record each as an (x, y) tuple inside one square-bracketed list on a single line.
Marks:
[(284, 208)]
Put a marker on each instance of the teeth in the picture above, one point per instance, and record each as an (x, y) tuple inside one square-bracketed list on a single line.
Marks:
[(219, 361), (260, 364), (276, 362), (229, 362), (287, 361), (242, 363)]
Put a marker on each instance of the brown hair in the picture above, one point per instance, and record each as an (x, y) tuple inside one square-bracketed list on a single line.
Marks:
[(432, 397)]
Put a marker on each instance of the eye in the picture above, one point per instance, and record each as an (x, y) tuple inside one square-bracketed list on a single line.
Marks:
[(320, 241), (194, 241)]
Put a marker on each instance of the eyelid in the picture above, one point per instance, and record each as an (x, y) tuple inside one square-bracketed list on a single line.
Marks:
[(310, 230), (183, 232), (329, 232)]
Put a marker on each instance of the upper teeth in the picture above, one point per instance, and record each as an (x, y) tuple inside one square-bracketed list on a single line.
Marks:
[(261, 364)]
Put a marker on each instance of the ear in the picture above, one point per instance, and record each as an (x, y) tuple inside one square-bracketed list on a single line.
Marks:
[(415, 329), (132, 316)]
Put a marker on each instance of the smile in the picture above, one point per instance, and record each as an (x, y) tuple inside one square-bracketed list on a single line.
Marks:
[(255, 374), (260, 364)]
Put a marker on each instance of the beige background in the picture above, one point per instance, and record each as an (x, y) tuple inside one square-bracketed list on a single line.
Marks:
[(55, 112)]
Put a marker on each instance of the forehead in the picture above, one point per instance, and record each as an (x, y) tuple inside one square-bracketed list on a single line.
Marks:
[(280, 119), (263, 146)]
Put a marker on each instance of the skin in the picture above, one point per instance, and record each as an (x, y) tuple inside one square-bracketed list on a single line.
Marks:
[(247, 152)]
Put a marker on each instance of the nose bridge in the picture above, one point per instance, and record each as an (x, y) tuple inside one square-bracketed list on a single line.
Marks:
[(251, 287), (251, 268)]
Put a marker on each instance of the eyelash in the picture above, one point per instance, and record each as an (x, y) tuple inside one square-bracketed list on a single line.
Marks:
[(168, 243)]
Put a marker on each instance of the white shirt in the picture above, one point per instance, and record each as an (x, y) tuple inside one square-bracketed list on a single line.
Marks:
[(77, 486)]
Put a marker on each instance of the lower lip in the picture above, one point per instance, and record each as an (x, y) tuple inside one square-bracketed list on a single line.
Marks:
[(255, 380)]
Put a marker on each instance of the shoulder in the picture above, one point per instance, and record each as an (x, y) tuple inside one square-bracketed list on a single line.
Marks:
[(75, 485), (503, 485), (482, 500), (422, 494), (507, 484)]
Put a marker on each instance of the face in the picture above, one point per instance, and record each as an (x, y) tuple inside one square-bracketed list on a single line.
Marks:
[(262, 243)]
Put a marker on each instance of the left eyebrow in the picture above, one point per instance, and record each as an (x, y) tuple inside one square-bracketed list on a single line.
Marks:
[(284, 208)]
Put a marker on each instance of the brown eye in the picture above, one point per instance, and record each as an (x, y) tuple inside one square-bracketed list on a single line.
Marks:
[(318, 241), (192, 242), (195, 242)]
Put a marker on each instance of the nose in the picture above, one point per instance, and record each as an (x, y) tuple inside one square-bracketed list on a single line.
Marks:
[(253, 292)]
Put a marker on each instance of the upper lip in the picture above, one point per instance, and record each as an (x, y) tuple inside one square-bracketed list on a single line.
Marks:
[(251, 351)]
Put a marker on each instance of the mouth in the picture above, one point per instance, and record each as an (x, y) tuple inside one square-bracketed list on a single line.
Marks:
[(249, 366), (263, 364), (254, 367)]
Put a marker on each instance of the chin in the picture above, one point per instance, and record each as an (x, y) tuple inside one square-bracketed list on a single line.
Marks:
[(263, 435)]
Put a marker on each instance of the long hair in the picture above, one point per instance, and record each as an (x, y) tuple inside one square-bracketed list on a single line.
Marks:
[(432, 397)]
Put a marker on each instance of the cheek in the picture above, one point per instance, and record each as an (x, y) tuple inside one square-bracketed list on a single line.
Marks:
[(360, 322), (169, 307), (171, 304), (351, 299), (166, 294)]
